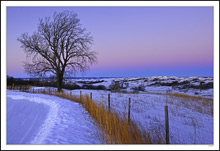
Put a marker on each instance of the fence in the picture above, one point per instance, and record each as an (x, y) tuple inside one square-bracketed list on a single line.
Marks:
[(168, 122)]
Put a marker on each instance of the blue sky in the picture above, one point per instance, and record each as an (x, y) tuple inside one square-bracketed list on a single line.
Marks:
[(130, 41)]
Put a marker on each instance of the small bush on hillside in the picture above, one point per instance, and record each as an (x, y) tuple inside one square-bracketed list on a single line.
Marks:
[(141, 87), (71, 86), (208, 85), (91, 82), (111, 86), (99, 87)]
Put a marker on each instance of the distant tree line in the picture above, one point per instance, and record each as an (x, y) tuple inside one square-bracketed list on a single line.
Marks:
[(50, 82)]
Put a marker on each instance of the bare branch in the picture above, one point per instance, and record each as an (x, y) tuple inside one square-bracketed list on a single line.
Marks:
[(59, 46)]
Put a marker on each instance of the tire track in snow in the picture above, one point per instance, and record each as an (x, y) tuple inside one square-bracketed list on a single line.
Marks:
[(49, 123)]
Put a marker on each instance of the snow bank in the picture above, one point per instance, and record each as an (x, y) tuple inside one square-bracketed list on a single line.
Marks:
[(65, 122)]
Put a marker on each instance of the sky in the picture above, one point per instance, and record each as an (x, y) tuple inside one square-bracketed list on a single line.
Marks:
[(130, 41)]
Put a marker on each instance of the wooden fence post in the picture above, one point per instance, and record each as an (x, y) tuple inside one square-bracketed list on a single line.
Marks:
[(91, 96), (167, 125), (109, 102), (80, 97), (129, 108)]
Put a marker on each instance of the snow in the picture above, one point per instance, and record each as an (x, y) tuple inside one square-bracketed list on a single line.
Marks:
[(52, 120), (190, 122), (43, 119), (148, 83), (16, 119)]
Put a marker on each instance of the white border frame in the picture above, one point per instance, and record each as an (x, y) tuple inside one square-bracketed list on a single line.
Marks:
[(4, 4)]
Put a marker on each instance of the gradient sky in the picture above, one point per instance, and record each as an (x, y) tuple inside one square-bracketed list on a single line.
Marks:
[(130, 41)]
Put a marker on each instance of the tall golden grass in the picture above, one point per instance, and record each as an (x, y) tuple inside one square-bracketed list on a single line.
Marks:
[(189, 97), (114, 129), (172, 94)]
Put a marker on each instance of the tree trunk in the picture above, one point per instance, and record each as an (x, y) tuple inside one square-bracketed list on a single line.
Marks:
[(59, 81)]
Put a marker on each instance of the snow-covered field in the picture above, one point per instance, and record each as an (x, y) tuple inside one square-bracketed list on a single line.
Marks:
[(52, 120), (43, 119), (190, 122), (196, 86)]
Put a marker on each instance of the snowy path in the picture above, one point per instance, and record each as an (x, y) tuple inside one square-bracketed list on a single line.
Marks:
[(43, 119)]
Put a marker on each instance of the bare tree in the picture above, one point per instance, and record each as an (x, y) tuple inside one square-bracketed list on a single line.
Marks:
[(60, 46)]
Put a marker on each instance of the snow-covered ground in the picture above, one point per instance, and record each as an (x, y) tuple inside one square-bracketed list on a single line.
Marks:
[(44, 119), (64, 122), (196, 86), (190, 122)]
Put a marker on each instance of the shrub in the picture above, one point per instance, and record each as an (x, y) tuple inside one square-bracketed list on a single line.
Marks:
[(99, 87), (208, 85), (91, 82), (71, 86), (141, 87)]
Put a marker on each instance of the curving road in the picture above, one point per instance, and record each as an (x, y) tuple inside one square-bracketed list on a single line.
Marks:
[(43, 119)]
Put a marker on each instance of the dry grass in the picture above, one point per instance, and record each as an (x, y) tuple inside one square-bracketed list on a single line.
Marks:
[(179, 95), (197, 103), (114, 128), (188, 96), (186, 100), (19, 87)]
